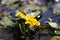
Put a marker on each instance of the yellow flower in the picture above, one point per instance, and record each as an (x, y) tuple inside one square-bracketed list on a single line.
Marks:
[(30, 20), (37, 23), (19, 14)]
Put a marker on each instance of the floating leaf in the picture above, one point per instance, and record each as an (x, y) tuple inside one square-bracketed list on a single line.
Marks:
[(31, 9), (6, 22), (8, 1), (57, 8), (54, 25), (55, 38)]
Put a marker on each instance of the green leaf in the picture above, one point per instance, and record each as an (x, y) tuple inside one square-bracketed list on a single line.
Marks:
[(55, 38), (6, 22), (57, 8)]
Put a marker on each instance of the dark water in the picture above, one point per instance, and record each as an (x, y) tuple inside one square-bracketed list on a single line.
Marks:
[(7, 34)]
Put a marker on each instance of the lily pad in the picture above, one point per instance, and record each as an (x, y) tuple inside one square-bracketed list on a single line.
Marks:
[(6, 22), (8, 1), (55, 38), (54, 25), (29, 8), (57, 8)]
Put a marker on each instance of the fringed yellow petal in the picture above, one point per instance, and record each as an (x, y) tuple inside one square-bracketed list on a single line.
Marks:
[(37, 23)]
